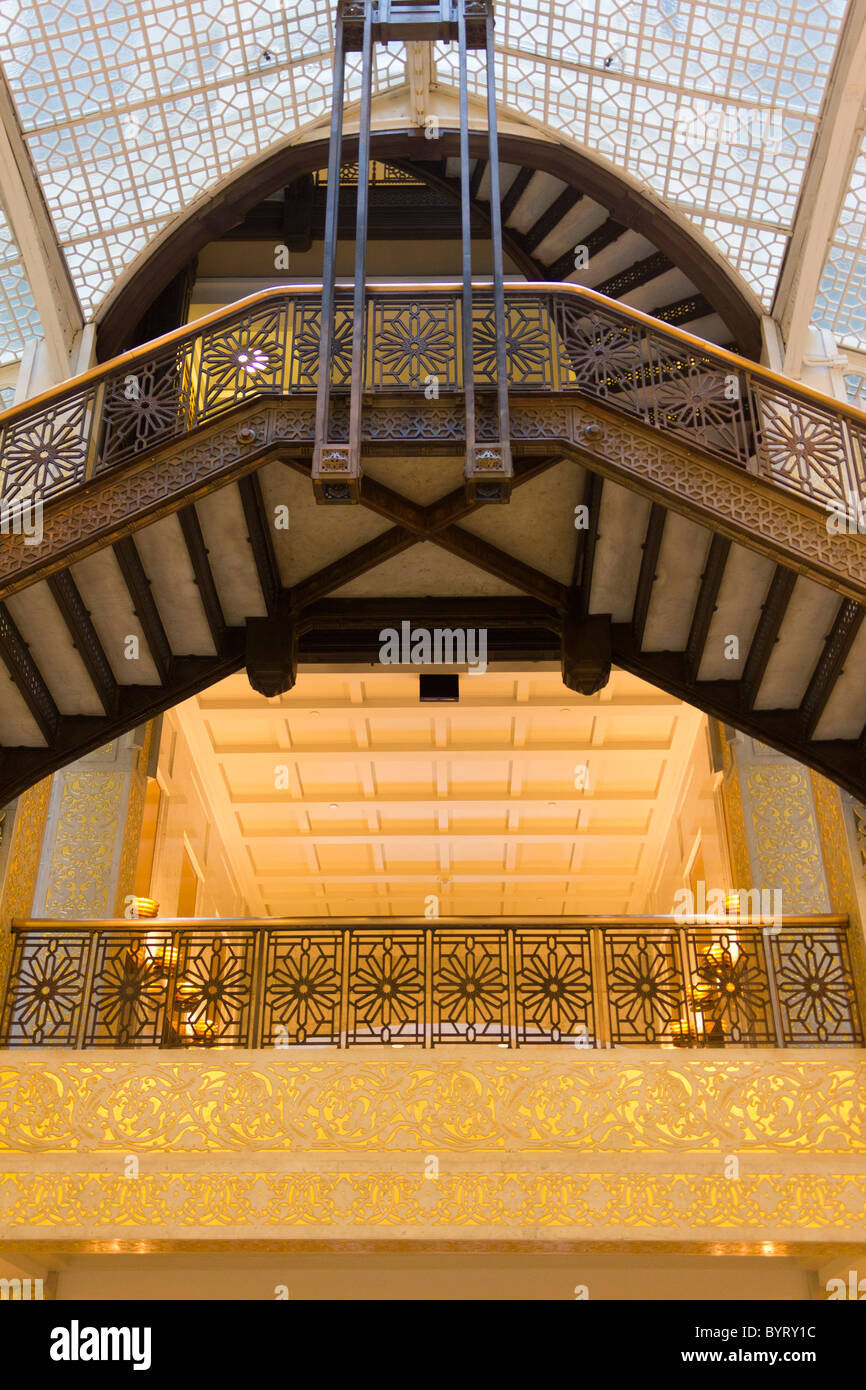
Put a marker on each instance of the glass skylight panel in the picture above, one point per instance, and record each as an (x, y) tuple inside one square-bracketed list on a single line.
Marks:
[(133, 108), (19, 320), (841, 301)]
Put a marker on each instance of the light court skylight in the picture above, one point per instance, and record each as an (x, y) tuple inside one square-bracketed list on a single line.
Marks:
[(131, 108), (19, 319), (841, 302)]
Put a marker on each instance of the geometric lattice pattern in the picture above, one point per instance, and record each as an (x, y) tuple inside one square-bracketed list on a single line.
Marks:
[(19, 319), (555, 342), (348, 984), (657, 89), (130, 113), (841, 300)]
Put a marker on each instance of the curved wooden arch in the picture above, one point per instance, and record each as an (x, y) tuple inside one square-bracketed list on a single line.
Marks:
[(634, 209)]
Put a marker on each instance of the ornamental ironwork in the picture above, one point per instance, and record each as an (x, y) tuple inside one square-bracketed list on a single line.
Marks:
[(565, 342), (615, 983)]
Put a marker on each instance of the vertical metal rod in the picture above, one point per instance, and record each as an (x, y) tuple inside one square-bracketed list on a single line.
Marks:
[(466, 232), (329, 266), (770, 965), (689, 953), (360, 306), (87, 989), (513, 1022), (261, 943), (345, 974), (600, 996), (496, 237), (428, 946)]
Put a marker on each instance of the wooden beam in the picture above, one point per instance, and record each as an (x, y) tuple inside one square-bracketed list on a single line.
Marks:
[(637, 274), (651, 547), (77, 735), (272, 653), (551, 218), (77, 618), (260, 539), (585, 651), (515, 192), (363, 613), (595, 242), (494, 561), (203, 574), (352, 566), (27, 677), (705, 607), (584, 555), (766, 636), (839, 759), (455, 505), (426, 521), (694, 306), (144, 605), (831, 663)]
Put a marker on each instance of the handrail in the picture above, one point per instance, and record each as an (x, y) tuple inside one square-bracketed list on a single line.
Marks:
[(561, 339), (587, 981), (191, 330)]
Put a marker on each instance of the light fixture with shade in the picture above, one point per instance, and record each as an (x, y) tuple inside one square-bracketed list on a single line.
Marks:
[(143, 908)]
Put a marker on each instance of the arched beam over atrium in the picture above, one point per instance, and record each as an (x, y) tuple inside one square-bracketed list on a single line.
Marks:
[(629, 208)]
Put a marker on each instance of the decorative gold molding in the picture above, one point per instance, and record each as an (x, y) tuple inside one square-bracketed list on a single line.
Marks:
[(785, 834), (839, 875), (254, 1102), (28, 832), (735, 822), (82, 856), (512, 1204), (249, 1146)]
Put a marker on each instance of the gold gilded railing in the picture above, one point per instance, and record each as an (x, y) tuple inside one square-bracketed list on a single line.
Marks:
[(583, 981), (560, 339)]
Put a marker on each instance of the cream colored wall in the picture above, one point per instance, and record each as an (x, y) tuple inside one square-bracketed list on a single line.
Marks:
[(185, 821), (456, 1275), (695, 847)]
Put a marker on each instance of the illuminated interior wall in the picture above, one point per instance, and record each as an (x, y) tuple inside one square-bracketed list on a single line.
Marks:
[(187, 841)]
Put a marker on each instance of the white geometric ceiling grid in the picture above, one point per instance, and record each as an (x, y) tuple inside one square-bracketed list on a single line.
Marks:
[(132, 108), (19, 319), (841, 301)]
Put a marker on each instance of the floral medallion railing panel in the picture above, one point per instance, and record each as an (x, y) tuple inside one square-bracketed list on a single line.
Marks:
[(558, 341), (618, 983)]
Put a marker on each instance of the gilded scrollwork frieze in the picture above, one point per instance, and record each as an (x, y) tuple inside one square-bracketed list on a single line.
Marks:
[(254, 1103), (511, 1203)]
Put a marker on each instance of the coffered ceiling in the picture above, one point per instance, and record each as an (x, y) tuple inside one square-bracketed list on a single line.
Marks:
[(349, 797)]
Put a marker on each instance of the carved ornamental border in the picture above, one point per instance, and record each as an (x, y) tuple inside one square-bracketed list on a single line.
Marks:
[(299, 1149), (753, 511)]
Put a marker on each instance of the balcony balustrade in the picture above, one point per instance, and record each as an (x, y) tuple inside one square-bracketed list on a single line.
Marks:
[(589, 982), (561, 340)]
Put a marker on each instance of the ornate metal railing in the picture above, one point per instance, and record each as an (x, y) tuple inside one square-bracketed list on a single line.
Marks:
[(560, 339), (588, 982)]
